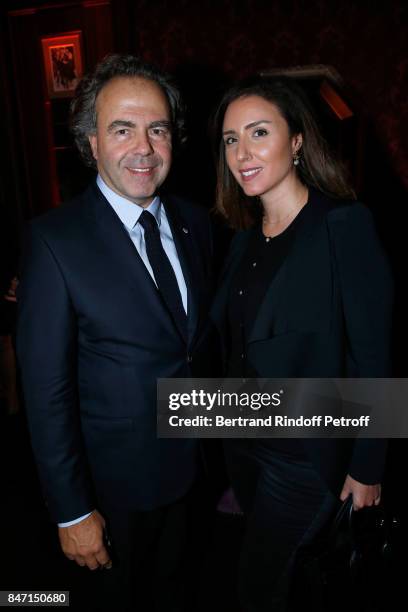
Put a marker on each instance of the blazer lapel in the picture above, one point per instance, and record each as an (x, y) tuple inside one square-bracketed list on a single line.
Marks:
[(273, 311), (218, 312)]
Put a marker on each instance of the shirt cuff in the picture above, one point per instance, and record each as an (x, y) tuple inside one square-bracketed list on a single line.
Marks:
[(75, 521)]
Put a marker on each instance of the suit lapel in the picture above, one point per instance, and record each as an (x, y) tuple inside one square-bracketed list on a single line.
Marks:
[(121, 248), (183, 240)]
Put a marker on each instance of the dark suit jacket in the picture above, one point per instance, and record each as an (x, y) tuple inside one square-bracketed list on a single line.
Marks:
[(326, 314), (93, 337)]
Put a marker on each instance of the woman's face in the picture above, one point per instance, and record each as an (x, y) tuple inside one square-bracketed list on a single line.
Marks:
[(258, 147)]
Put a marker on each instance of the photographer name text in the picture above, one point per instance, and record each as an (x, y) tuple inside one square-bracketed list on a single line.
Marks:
[(276, 420)]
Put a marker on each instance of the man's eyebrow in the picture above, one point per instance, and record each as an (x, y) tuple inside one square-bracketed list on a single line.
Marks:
[(161, 123), (121, 123), (249, 126)]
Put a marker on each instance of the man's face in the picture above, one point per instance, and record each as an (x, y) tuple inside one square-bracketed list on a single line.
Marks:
[(132, 145)]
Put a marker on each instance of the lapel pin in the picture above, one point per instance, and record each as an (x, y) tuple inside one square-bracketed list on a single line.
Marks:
[(185, 230)]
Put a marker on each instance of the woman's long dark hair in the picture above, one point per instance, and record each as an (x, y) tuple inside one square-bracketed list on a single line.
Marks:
[(317, 166)]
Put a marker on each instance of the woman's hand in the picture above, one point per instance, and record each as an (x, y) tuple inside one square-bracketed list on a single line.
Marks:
[(363, 495)]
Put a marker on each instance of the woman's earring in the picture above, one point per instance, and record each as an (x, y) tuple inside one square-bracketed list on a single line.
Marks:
[(296, 158)]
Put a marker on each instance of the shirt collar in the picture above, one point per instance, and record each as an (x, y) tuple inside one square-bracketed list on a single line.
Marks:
[(127, 211)]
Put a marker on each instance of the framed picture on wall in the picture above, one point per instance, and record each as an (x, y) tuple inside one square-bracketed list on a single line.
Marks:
[(63, 63)]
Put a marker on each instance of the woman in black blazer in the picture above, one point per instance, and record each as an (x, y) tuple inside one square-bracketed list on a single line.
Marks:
[(306, 292)]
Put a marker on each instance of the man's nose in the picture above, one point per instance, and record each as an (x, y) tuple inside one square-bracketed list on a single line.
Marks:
[(142, 145)]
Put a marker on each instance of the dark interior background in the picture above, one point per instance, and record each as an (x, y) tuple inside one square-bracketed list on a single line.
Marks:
[(207, 45)]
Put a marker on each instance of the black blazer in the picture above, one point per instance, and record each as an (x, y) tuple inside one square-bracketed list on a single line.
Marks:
[(327, 313), (93, 337)]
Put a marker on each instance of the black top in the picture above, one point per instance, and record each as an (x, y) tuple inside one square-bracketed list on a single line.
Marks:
[(259, 265)]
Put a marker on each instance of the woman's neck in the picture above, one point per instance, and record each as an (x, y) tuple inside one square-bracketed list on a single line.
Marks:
[(280, 208)]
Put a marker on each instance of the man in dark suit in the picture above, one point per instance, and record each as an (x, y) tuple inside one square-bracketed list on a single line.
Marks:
[(113, 296)]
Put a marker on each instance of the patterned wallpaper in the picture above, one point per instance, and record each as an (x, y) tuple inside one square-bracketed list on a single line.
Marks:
[(366, 42)]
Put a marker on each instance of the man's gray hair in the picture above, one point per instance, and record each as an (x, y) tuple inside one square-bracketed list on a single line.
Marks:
[(83, 105)]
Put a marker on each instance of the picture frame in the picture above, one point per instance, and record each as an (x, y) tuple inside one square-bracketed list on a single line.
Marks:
[(63, 63)]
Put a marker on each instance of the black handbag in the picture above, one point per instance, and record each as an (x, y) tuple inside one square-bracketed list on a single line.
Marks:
[(350, 565)]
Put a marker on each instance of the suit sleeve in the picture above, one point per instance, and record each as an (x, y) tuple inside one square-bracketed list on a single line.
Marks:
[(46, 349), (367, 296)]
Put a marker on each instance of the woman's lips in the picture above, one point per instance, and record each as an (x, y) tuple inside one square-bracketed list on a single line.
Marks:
[(249, 173)]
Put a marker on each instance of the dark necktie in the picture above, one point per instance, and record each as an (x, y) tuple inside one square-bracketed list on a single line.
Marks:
[(163, 271)]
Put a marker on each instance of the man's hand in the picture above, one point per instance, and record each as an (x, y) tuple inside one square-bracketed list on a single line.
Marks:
[(363, 495), (83, 542)]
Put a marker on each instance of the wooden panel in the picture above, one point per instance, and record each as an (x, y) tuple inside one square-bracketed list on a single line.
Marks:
[(28, 82), (43, 147)]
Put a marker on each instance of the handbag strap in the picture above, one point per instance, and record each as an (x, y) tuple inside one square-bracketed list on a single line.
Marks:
[(344, 513)]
